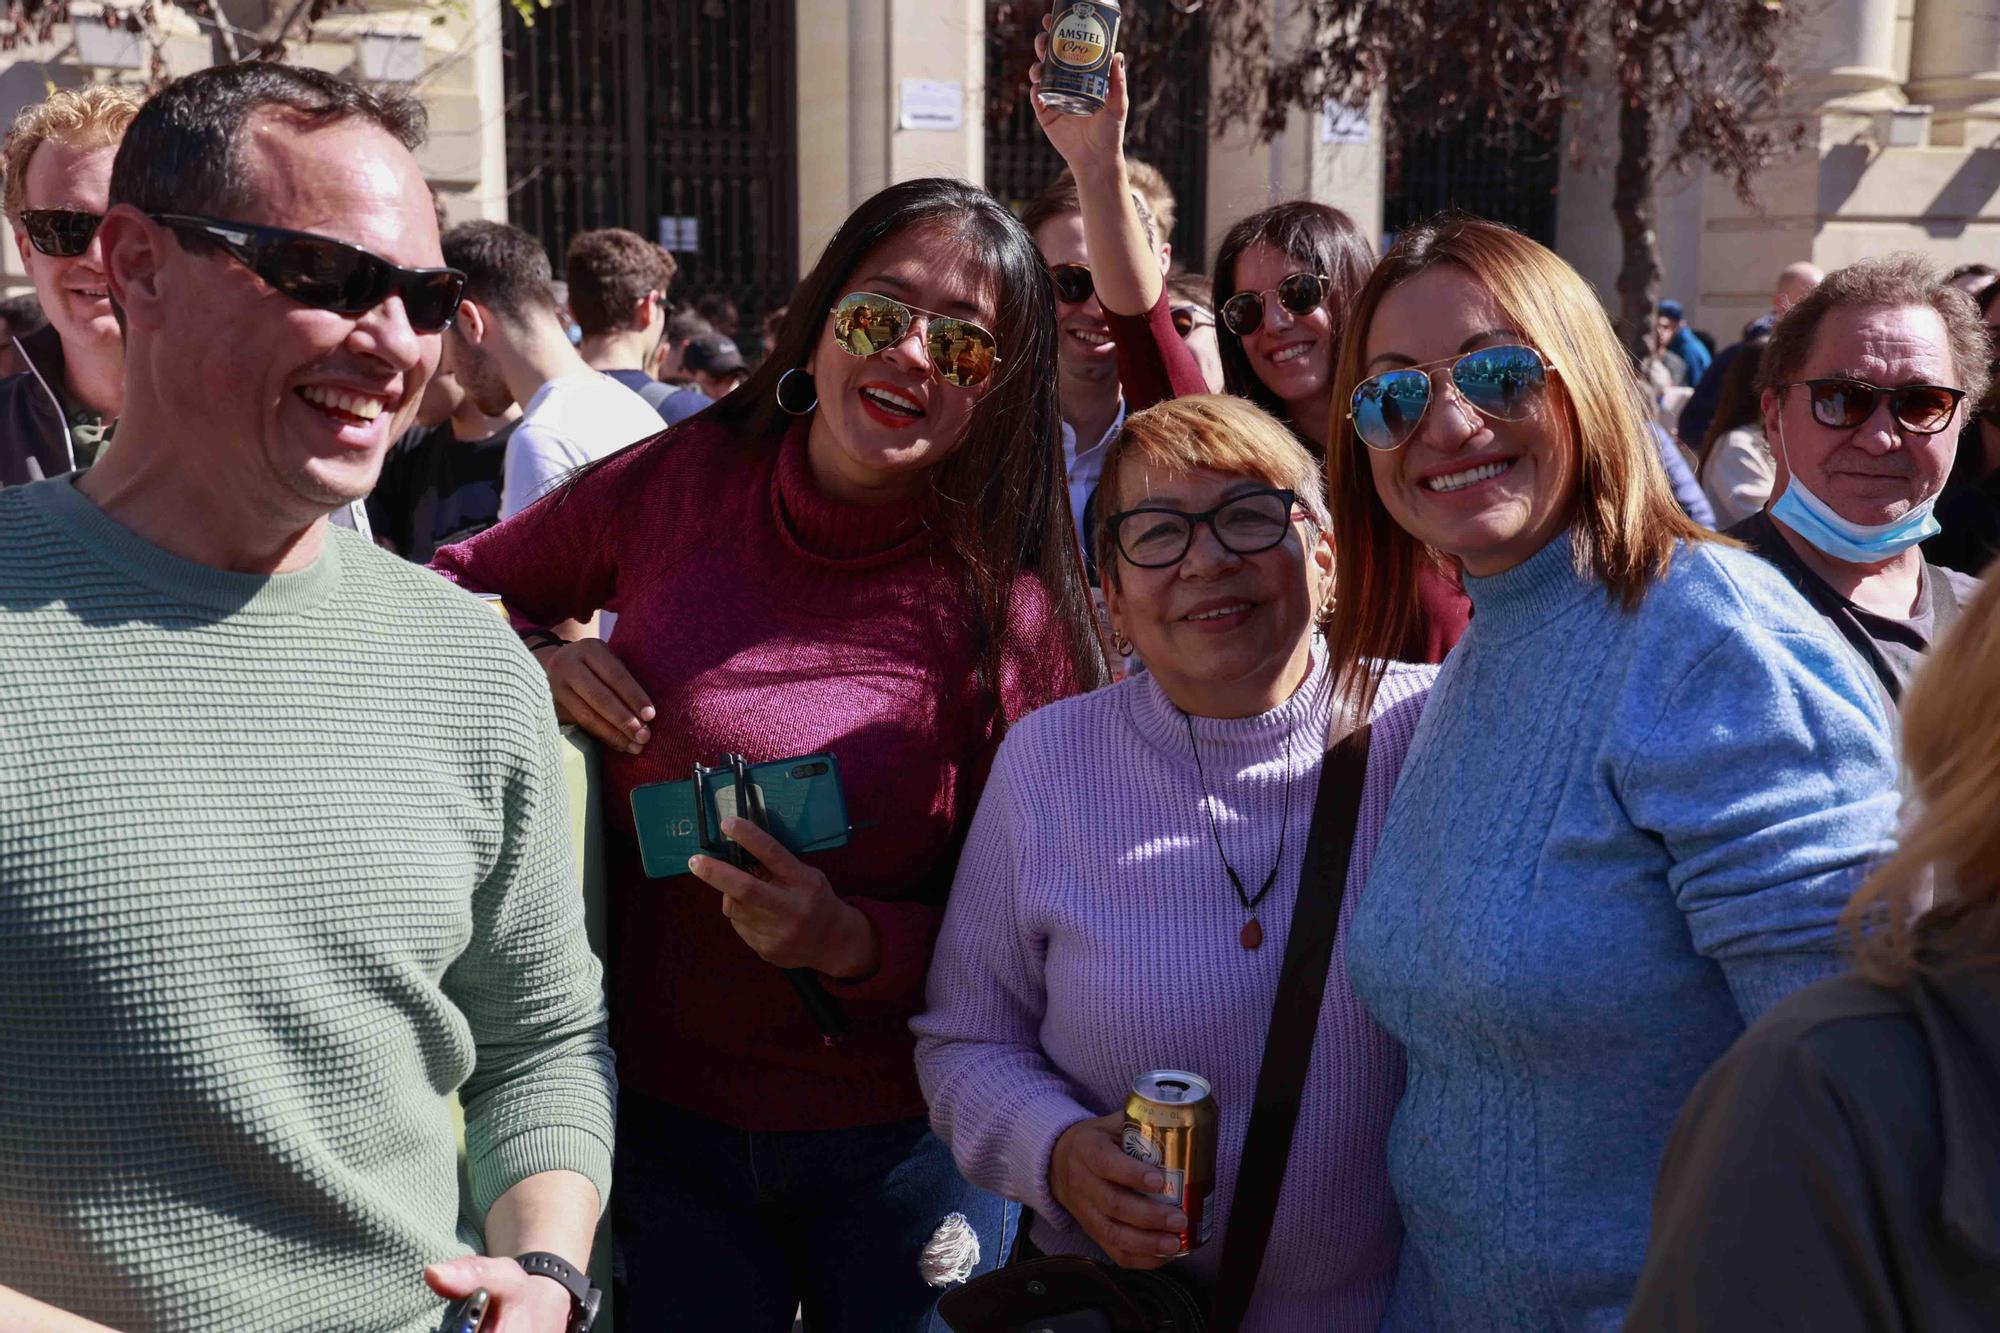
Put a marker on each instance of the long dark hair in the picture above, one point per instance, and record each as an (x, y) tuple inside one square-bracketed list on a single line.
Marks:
[(1738, 403), (1001, 498), (1323, 240)]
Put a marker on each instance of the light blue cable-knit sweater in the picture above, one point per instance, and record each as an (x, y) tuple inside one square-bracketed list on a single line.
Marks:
[(1618, 839)]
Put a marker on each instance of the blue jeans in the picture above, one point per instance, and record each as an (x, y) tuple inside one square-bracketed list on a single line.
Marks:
[(732, 1231)]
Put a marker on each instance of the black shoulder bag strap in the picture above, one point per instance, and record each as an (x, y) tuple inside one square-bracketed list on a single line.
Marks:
[(1294, 1021)]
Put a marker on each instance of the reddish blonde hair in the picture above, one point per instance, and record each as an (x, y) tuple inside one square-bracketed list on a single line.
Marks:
[(1626, 522)]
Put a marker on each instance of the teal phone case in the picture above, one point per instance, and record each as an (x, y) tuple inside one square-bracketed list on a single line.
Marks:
[(799, 800)]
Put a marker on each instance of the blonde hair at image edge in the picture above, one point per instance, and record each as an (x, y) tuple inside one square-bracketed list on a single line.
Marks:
[(1951, 746), (93, 117)]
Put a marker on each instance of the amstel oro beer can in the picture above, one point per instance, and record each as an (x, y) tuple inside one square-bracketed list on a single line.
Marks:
[(1170, 1123), (1077, 74)]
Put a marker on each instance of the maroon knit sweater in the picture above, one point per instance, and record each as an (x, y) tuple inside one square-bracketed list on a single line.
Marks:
[(763, 617)]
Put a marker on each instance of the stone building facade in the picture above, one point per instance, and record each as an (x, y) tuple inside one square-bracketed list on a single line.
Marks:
[(1902, 98)]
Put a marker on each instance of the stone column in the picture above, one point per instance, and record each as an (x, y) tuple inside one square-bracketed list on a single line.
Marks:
[(1332, 155), (1846, 57), (877, 80), (1955, 69)]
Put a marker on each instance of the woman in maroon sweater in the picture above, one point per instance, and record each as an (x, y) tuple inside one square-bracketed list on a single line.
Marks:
[(866, 550)]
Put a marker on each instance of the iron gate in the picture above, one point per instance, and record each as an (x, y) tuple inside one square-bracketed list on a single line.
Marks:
[(1507, 173), (674, 120), (1169, 121)]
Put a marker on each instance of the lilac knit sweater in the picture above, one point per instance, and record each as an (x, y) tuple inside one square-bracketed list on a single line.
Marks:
[(1092, 935)]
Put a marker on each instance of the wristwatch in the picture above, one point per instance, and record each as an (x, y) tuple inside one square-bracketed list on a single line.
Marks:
[(583, 1298)]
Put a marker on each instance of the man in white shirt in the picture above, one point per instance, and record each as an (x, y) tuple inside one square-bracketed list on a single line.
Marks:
[(507, 346)]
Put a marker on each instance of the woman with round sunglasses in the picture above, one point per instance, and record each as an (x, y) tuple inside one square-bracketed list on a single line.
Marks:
[(1646, 781), (865, 551), (1146, 927)]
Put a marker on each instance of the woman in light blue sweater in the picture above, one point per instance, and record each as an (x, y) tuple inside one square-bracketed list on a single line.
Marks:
[(1646, 783)]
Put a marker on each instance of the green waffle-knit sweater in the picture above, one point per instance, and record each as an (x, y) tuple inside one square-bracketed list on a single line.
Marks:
[(284, 861)]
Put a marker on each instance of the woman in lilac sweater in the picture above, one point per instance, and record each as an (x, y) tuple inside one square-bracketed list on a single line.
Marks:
[(1101, 921)]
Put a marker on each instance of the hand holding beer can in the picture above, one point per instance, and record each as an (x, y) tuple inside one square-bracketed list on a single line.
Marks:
[(1170, 1122), (1077, 75)]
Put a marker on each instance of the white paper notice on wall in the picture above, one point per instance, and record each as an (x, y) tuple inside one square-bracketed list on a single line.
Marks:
[(681, 234), (929, 105), (1339, 123)]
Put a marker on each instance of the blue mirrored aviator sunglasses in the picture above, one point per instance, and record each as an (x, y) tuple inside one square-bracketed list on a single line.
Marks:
[(1503, 382)]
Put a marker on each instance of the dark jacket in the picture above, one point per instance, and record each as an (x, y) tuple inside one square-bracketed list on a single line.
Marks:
[(1838, 1170), (34, 437)]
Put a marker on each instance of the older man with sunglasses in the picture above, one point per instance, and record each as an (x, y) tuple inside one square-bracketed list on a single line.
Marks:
[(54, 415), (1864, 386), (286, 861)]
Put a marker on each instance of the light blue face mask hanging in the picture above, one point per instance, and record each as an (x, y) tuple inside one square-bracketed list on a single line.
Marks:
[(1856, 543)]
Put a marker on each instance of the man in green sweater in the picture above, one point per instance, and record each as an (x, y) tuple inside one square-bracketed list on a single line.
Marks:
[(283, 837)]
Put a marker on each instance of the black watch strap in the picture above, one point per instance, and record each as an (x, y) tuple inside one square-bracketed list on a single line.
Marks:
[(583, 1298)]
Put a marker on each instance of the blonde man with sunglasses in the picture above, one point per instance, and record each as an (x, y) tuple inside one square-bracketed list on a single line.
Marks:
[(55, 415)]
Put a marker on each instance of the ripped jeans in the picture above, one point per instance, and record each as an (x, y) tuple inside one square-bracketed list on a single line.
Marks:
[(723, 1229)]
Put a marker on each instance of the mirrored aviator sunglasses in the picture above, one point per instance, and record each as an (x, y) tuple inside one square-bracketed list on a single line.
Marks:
[(1298, 293), (962, 353), (326, 274), (1502, 382), (60, 233)]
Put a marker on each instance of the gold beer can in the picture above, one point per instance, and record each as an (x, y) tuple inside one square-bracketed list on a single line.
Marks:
[(1077, 75), (1170, 1123)]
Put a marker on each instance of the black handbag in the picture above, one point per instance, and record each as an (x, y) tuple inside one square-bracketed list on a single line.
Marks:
[(1072, 1294)]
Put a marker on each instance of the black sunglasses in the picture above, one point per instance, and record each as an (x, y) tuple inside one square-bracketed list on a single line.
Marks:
[(1073, 282), (1296, 292), (1154, 538), (1843, 404), (60, 233), (326, 274)]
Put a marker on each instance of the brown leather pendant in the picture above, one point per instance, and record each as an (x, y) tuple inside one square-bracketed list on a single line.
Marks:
[(1252, 934)]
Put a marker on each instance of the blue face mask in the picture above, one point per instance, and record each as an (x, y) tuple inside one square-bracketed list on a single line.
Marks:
[(575, 335), (1856, 543)]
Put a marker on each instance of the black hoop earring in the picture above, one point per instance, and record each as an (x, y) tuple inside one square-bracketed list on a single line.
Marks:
[(805, 379)]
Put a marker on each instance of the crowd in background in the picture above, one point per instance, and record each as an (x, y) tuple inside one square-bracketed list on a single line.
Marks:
[(1649, 1000)]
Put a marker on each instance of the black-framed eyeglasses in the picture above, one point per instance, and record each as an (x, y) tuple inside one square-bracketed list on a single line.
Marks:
[(326, 274), (1073, 283), (1155, 537), (1298, 293), (1188, 318), (1843, 404), (1503, 382), (60, 233), (962, 353)]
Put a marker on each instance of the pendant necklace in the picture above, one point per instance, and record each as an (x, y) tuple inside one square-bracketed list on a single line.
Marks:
[(1252, 934)]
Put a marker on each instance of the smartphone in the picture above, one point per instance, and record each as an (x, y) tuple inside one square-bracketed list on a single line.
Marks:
[(799, 800), (468, 1315)]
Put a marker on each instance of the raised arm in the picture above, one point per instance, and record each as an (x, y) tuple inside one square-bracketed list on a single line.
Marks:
[(1127, 267)]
